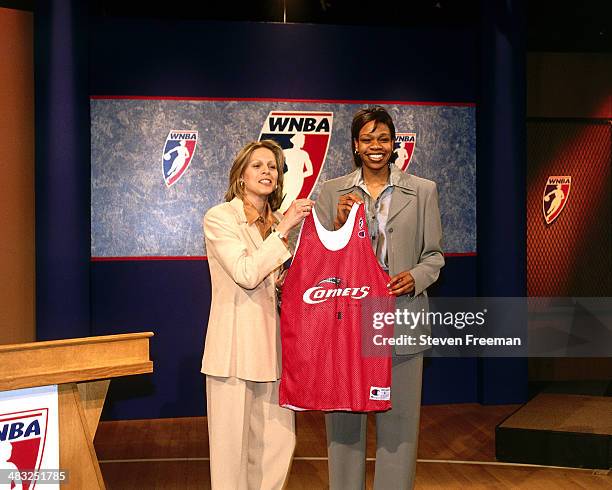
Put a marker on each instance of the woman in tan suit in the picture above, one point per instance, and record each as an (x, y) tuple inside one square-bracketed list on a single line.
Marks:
[(251, 438)]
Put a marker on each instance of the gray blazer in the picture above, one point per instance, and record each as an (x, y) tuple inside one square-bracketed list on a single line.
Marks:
[(414, 234)]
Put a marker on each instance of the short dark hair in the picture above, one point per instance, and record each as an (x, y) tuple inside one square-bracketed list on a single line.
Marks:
[(364, 116)]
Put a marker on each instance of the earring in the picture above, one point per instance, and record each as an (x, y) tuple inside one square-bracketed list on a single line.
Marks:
[(356, 152), (276, 187), (241, 183)]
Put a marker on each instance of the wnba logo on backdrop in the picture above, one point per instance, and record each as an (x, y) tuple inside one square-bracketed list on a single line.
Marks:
[(178, 152), (22, 440), (304, 137), (554, 199), (403, 149)]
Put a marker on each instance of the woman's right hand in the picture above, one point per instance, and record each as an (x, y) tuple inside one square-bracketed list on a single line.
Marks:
[(299, 209), (345, 203)]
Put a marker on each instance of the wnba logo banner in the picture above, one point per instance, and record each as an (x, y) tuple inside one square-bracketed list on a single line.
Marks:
[(171, 172), (404, 148), (29, 437), (304, 138), (178, 152), (554, 199)]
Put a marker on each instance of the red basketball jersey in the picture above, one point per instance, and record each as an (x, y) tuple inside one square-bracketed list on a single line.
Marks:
[(332, 289)]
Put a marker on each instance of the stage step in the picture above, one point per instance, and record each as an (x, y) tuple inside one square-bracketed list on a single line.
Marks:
[(558, 430)]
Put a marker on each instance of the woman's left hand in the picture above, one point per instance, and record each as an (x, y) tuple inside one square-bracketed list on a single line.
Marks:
[(402, 283)]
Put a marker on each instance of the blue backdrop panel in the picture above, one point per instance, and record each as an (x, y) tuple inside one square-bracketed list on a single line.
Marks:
[(62, 170), (170, 298), (286, 61), (452, 380), (501, 263)]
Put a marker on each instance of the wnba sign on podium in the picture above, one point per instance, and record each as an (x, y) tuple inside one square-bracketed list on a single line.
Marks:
[(29, 435)]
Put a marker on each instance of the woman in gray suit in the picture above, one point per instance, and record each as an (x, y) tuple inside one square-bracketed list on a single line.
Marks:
[(404, 225)]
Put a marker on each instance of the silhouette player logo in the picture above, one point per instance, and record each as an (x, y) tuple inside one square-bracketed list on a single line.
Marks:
[(554, 199), (304, 138), (178, 152), (404, 148)]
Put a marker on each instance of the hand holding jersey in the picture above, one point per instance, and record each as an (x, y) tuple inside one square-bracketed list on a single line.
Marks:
[(345, 203), (299, 209), (402, 283)]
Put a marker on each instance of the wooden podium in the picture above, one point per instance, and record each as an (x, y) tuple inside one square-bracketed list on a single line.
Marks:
[(80, 368)]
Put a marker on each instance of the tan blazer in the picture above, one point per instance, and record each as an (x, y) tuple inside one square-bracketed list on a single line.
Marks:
[(243, 338)]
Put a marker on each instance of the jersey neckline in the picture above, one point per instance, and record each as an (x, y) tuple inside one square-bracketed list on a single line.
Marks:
[(336, 240)]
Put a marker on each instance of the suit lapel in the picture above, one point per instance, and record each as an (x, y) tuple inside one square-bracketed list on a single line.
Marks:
[(254, 234), (399, 200), (403, 195), (251, 230), (347, 184)]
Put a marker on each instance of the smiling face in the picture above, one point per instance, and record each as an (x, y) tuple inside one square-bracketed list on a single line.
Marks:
[(374, 145), (260, 175)]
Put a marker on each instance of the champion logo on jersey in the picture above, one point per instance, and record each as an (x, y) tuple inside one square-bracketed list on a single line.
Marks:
[(22, 440), (322, 291), (179, 149), (380, 393), (404, 148), (554, 199), (304, 137)]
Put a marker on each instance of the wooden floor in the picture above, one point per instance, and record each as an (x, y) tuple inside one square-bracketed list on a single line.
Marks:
[(456, 450)]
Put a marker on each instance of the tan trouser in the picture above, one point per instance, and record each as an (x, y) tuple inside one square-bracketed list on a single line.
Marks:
[(251, 438)]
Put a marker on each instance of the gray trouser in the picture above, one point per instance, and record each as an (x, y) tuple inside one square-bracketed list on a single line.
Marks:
[(397, 433)]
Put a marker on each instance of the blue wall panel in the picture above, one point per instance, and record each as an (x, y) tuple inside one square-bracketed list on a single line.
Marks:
[(291, 61), (171, 299)]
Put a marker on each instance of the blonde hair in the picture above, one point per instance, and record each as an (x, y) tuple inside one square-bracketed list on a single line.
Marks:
[(241, 161)]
